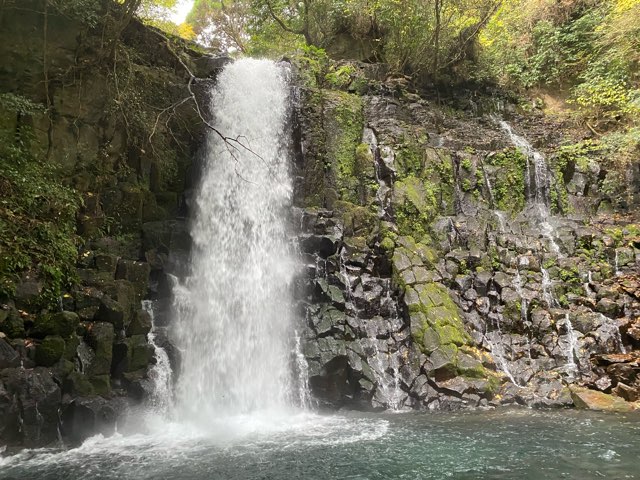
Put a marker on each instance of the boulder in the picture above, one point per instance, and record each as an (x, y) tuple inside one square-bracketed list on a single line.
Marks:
[(131, 354), (135, 272), (38, 400), (88, 416), (112, 312), (140, 323), (77, 385), (8, 356), (49, 351), (100, 337), (594, 400), (12, 324), (62, 324)]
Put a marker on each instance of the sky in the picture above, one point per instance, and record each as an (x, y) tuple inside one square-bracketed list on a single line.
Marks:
[(180, 12)]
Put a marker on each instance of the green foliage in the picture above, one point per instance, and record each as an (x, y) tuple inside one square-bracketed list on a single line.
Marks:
[(37, 212), (590, 47), (340, 76), (313, 65)]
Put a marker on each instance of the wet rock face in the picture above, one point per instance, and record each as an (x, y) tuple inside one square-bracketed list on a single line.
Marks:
[(459, 279), (69, 368), (350, 317)]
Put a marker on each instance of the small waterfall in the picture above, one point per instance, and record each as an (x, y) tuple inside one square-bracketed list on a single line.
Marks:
[(587, 286), (537, 184), (389, 380), (517, 283), (497, 352), (571, 351), (302, 373), (547, 289), (487, 182), (369, 138), (609, 325), (502, 226), (161, 375), (383, 363), (234, 320), (537, 179)]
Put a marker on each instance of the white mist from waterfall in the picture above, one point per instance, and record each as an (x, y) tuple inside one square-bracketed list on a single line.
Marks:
[(234, 316)]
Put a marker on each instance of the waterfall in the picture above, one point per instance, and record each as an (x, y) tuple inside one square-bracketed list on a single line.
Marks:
[(537, 180), (234, 312), (547, 289), (537, 184), (571, 350)]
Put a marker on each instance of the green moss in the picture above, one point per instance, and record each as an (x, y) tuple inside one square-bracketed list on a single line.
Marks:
[(49, 351), (508, 191), (357, 220), (62, 323), (387, 244), (77, 384), (344, 122), (416, 206), (439, 317), (101, 384)]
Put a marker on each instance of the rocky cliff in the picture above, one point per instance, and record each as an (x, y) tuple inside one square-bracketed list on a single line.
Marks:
[(447, 262), (456, 260), (115, 114)]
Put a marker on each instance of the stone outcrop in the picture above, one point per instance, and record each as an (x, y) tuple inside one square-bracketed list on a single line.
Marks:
[(442, 273), (73, 367)]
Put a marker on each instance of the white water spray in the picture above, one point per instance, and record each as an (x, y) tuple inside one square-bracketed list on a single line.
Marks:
[(161, 375), (234, 314), (571, 351)]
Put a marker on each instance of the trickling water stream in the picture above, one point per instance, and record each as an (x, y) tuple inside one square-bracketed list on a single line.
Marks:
[(161, 375), (537, 185)]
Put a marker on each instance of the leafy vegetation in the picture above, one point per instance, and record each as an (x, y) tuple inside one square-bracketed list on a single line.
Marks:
[(590, 48), (37, 212)]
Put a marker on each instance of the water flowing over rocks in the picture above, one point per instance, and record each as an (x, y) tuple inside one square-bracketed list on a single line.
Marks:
[(442, 268), (448, 256)]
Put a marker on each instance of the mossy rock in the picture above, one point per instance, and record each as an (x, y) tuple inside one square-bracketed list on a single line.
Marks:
[(101, 384), (49, 351), (100, 337), (62, 324), (71, 347), (435, 318), (62, 369), (13, 325), (78, 385), (131, 354), (140, 324), (343, 124), (357, 220)]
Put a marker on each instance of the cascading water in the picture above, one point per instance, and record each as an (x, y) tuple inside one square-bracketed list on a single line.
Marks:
[(537, 184), (234, 315), (572, 346), (161, 375)]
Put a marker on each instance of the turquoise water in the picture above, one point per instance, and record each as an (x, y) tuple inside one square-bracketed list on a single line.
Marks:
[(509, 444)]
